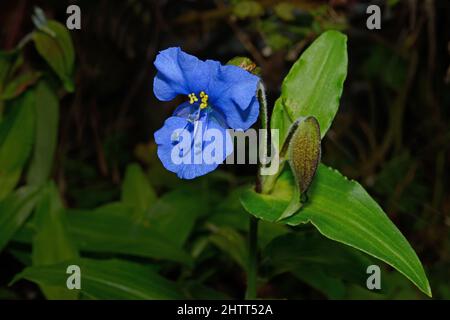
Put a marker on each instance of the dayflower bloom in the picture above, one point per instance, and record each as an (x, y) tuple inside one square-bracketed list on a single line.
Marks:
[(218, 98)]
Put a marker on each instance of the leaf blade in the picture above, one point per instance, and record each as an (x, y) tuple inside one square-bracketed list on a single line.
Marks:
[(51, 243), (107, 279), (315, 83), (46, 134), (343, 211)]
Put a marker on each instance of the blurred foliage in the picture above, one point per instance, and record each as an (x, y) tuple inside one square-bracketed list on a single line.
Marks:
[(76, 149)]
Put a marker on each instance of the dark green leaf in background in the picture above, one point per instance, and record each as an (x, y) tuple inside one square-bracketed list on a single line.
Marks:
[(106, 279), (112, 229), (137, 191), (231, 242), (16, 139), (14, 211), (19, 84), (175, 214), (325, 265), (46, 134), (57, 49), (51, 242)]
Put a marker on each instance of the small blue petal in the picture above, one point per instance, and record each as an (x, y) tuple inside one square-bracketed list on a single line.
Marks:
[(233, 91), (167, 140), (239, 119), (181, 73)]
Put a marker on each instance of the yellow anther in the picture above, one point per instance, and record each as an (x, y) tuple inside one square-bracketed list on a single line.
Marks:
[(204, 97), (192, 98)]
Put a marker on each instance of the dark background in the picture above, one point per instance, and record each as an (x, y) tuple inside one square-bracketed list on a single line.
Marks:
[(392, 131)]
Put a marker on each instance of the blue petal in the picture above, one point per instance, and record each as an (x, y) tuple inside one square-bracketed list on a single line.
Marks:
[(164, 139), (181, 73), (239, 119), (185, 109), (233, 91)]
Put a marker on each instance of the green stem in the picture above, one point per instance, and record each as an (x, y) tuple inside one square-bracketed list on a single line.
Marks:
[(252, 267), (252, 259)]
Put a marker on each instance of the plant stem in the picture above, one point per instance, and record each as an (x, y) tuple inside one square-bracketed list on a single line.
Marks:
[(252, 259), (252, 267)]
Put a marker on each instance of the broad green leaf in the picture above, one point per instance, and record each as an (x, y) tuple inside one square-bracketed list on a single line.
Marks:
[(343, 211), (51, 242), (16, 138), (112, 229), (109, 230), (46, 134), (14, 210), (137, 191), (280, 120), (175, 214), (57, 49), (314, 84), (269, 207), (106, 279)]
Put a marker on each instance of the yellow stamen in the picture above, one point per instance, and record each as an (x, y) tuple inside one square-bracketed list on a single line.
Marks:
[(192, 98), (204, 98)]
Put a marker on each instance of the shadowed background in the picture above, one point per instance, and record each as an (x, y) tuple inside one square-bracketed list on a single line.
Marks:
[(391, 133)]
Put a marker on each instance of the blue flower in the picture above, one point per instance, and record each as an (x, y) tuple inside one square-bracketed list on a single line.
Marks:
[(218, 98)]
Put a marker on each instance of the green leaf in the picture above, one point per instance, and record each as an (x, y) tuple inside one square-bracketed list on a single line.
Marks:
[(315, 82), (16, 138), (7, 59), (323, 264), (269, 207), (175, 214), (57, 49), (18, 85), (112, 229), (246, 9), (46, 134), (343, 211), (14, 211), (280, 120), (108, 229), (137, 191), (51, 242), (285, 11), (106, 279)]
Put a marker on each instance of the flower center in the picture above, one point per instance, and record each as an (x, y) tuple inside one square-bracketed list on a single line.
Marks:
[(203, 99)]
